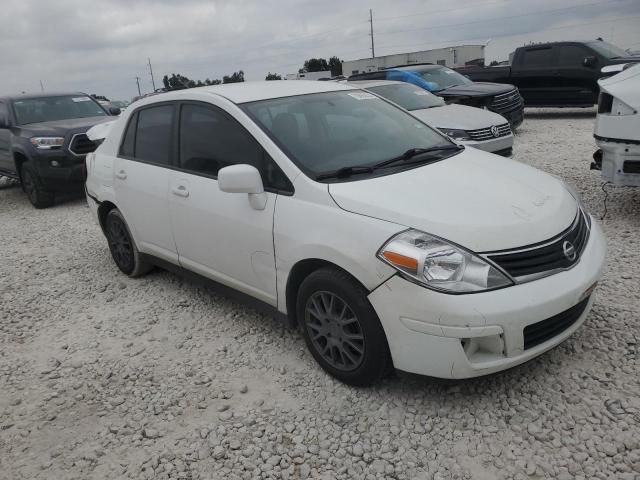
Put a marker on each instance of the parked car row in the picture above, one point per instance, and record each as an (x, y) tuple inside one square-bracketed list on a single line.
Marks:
[(387, 243)]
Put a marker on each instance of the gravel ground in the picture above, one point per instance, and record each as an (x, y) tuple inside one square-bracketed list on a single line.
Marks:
[(102, 376)]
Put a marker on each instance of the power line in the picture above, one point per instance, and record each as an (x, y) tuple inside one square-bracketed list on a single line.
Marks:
[(448, 42), (433, 27)]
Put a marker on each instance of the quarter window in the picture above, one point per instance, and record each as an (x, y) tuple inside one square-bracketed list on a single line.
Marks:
[(153, 135), (210, 140), (127, 148)]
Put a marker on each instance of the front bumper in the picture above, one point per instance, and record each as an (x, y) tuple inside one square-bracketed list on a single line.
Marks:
[(59, 171), (515, 117), (494, 145), (430, 333)]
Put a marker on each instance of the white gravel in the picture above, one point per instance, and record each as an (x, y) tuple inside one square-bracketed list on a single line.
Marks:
[(106, 377)]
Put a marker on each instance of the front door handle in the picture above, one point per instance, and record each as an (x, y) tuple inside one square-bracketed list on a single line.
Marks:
[(180, 191), (121, 175)]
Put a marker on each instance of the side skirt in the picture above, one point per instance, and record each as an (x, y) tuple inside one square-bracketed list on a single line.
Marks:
[(228, 292)]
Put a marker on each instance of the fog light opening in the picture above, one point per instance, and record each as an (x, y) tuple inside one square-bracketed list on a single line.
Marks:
[(483, 349), (54, 163)]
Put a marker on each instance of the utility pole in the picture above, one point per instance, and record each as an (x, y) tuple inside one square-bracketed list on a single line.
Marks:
[(373, 51), (41, 86), (153, 82), (138, 82)]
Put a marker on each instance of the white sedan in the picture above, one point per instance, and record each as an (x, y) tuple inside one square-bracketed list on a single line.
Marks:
[(470, 126), (388, 244)]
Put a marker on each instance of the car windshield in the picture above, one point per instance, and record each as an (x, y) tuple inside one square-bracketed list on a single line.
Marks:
[(607, 50), (324, 132), (443, 77), (408, 96), (49, 109)]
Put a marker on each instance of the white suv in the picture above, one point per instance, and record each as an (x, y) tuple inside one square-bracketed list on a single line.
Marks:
[(387, 243)]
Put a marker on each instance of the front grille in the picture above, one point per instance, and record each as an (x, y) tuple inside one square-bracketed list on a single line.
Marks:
[(482, 134), (507, 102), (545, 257), (81, 145), (540, 332)]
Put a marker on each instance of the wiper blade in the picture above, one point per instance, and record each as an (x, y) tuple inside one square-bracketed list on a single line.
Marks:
[(413, 152), (344, 172)]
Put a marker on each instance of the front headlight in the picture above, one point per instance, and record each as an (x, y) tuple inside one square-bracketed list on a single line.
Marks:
[(455, 134), (47, 143), (440, 265)]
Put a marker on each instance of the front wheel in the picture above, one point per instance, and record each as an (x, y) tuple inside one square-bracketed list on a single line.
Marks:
[(39, 196), (123, 249), (341, 328)]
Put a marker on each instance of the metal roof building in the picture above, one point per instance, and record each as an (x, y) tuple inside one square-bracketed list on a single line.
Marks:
[(456, 56)]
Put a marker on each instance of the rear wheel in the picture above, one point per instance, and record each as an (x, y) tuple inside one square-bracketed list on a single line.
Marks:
[(123, 249), (341, 328), (39, 196)]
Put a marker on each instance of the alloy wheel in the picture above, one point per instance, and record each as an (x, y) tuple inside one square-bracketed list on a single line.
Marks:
[(334, 331), (120, 244)]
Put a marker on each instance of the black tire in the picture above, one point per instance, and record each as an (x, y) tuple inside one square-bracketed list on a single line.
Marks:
[(330, 339), (39, 196), (123, 249)]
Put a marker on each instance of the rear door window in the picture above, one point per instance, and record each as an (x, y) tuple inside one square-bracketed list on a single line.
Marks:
[(537, 57), (154, 134)]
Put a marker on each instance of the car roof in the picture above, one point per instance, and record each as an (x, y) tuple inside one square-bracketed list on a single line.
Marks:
[(21, 96), (242, 92), (374, 83)]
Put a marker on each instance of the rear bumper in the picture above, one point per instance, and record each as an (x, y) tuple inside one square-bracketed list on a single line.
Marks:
[(462, 336)]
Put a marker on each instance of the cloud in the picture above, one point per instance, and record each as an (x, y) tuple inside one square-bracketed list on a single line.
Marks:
[(100, 47)]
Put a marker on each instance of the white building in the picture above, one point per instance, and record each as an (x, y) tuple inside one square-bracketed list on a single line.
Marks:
[(455, 56)]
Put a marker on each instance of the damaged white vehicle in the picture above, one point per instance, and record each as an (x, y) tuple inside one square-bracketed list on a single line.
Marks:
[(617, 130)]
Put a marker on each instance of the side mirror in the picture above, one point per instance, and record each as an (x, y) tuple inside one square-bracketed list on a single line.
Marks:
[(115, 111), (590, 61), (243, 179)]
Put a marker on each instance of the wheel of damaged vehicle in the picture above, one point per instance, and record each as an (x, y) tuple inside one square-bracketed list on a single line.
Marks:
[(123, 249), (341, 328), (39, 196)]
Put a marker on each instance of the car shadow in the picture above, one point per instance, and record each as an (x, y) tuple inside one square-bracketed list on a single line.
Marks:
[(558, 113)]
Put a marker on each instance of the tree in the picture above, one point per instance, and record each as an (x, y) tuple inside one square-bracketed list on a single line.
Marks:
[(335, 65), (234, 78), (273, 76), (180, 82), (494, 63), (315, 65)]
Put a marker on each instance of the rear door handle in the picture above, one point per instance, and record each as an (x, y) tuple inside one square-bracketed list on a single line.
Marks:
[(121, 174), (180, 191)]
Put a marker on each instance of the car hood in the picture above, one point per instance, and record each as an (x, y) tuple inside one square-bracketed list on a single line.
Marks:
[(459, 117), (61, 127), (475, 89), (617, 60), (478, 200)]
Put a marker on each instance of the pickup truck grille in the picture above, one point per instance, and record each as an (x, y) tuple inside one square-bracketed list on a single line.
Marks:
[(507, 102), (81, 145), (559, 252), (483, 134)]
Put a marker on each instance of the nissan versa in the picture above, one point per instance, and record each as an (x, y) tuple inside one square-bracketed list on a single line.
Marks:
[(390, 245)]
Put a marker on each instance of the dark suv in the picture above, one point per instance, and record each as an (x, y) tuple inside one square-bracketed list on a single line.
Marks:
[(43, 141)]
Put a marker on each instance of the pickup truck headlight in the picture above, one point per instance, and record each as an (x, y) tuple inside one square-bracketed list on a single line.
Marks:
[(455, 134), (440, 265), (47, 143)]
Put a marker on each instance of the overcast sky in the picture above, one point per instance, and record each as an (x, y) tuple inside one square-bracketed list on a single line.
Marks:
[(100, 47)]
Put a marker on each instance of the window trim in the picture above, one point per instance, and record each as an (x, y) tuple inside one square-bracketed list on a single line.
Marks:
[(215, 108), (135, 116)]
